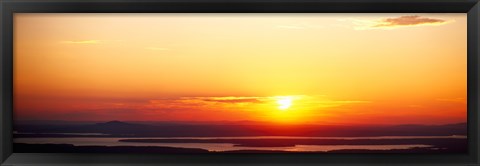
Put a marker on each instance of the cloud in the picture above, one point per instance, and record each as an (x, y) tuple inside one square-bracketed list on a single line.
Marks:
[(408, 21), (178, 108), (256, 99), (396, 22), (209, 103), (234, 101), (157, 48), (206, 101), (226, 99)]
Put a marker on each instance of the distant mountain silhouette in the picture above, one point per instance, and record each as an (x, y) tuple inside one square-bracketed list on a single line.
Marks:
[(114, 122), (119, 128), (117, 124)]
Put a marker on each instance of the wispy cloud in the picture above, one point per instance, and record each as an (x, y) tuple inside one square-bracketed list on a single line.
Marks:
[(233, 99), (409, 21), (395, 22), (225, 99), (222, 100), (228, 101), (209, 103), (175, 108), (157, 48)]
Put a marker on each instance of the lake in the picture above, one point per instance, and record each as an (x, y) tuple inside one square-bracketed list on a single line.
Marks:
[(218, 147)]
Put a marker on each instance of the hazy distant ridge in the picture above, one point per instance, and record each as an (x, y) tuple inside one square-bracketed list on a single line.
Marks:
[(118, 128)]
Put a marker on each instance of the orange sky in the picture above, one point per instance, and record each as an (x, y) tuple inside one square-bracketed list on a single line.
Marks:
[(291, 68)]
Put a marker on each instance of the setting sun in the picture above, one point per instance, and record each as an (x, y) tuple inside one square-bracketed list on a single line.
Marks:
[(284, 102)]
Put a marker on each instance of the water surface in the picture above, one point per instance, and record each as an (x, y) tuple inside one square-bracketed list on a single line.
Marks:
[(86, 141)]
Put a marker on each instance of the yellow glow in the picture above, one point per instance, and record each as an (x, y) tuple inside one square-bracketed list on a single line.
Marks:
[(284, 102)]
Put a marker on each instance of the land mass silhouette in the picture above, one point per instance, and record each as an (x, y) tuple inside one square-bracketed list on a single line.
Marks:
[(127, 129)]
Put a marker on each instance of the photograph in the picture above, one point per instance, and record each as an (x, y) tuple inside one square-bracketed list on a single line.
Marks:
[(173, 83)]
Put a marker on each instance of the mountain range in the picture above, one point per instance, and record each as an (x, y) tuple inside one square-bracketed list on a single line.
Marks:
[(119, 128)]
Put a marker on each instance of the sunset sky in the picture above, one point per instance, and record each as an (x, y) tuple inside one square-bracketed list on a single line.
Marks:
[(280, 68)]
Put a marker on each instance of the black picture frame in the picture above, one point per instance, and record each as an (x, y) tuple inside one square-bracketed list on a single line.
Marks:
[(9, 7)]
